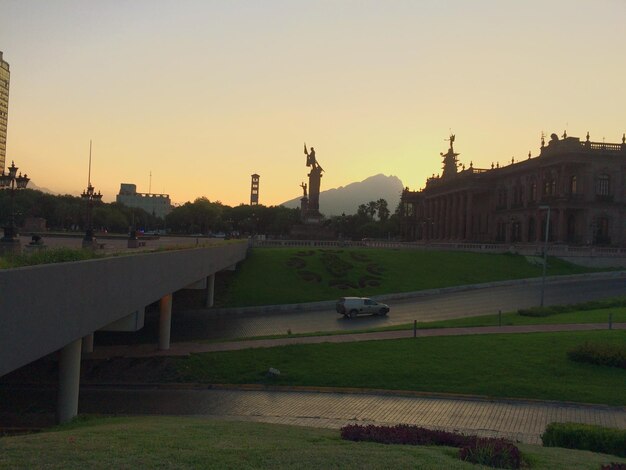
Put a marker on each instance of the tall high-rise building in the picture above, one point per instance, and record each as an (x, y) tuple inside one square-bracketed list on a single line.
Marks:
[(5, 75)]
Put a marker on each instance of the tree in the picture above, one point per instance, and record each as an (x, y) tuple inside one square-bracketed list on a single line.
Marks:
[(383, 210)]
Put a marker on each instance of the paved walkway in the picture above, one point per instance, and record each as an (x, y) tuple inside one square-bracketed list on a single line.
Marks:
[(522, 421), (185, 348)]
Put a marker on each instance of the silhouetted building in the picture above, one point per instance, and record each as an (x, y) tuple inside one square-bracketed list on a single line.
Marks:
[(155, 204), (5, 76), (583, 184), (254, 190)]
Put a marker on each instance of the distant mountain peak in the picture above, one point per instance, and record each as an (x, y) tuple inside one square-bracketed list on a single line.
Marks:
[(346, 199)]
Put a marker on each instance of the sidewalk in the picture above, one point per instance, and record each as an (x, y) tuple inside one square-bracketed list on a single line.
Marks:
[(186, 348)]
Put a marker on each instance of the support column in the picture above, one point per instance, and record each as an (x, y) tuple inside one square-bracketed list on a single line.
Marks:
[(69, 381), (441, 217), (461, 219), (165, 321), (448, 216), (468, 219), (455, 216), (210, 290), (88, 343)]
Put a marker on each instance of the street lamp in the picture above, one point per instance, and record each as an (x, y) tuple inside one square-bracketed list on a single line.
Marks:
[(12, 182), (545, 253), (91, 197)]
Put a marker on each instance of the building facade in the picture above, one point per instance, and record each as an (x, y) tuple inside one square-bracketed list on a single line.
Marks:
[(156, 204), (5, 78), (575, 190)]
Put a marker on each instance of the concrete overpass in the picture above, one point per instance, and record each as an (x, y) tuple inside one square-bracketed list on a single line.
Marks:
[(57, 307)]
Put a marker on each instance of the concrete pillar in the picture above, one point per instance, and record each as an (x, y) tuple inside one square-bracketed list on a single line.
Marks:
[(210, 290), (69, 381), (165, 321), (88, 343)]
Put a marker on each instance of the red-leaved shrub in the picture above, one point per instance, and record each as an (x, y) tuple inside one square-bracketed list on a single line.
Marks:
[(497, 453), (487, 451)]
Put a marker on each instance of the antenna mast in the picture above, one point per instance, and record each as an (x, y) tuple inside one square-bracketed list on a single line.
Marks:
[(150, 184), (89, 175)]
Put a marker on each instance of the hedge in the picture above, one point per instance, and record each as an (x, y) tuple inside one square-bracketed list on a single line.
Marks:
[(585, 437), (612, 355)]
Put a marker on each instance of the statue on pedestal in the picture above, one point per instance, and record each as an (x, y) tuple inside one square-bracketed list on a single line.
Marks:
[(311, 227), (315, 176)]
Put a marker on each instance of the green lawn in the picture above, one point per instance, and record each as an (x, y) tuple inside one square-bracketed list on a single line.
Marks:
[(291, 275), (508, 365), (177, 442)]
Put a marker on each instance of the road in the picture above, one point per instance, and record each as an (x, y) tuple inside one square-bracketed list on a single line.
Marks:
[(197, 324)]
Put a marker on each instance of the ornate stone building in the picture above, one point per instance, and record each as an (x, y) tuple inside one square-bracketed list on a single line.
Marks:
[(581, 185)]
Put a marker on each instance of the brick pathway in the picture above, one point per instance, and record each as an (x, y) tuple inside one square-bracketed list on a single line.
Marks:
[(522, 421)]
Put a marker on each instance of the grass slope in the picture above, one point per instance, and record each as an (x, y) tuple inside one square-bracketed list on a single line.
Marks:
[(514, 365), (168, 442), (291, 275)]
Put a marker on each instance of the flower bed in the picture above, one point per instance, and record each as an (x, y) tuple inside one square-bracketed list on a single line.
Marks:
[(498, 453)]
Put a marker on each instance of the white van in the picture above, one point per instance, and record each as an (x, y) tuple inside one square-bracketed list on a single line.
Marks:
[(350, 307)]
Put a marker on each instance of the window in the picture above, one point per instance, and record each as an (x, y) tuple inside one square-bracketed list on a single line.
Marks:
[(549, 184), (518, 193), (573, 185), (502, 198), (533, 191), (603, 185), (601, 232)]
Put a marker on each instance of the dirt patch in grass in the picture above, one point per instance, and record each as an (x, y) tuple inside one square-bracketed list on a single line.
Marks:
[(309, 276)]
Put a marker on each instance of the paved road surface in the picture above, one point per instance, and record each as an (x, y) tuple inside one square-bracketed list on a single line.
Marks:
[(197, 324)]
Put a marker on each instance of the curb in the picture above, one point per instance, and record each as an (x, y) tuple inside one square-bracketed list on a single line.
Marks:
[(330, 304)]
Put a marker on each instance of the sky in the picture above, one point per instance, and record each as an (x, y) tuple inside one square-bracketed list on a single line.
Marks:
[(203, 93)]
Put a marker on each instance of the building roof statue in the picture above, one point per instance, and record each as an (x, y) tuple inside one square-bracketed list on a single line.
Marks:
[(450, 162)]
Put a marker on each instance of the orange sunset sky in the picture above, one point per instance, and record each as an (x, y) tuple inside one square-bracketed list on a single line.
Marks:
[(205, 93)]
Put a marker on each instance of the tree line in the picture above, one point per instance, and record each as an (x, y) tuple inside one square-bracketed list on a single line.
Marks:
[(202, 216)]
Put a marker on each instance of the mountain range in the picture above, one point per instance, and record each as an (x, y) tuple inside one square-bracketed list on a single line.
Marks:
[(346, 199)]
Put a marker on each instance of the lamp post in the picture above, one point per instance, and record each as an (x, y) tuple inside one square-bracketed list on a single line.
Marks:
[(545, 253), (91, 197), (11, 181)]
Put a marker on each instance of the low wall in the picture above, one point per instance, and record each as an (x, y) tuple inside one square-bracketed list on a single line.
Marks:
[(45, 307)]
